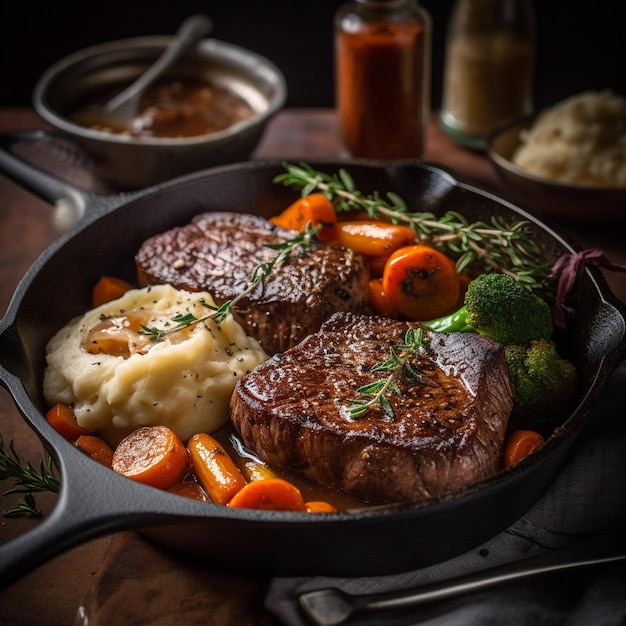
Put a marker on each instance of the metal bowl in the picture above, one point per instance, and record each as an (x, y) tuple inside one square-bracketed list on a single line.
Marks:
[(132, 162), (547, 198)]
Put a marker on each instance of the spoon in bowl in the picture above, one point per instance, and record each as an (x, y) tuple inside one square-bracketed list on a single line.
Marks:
[(123, 108)]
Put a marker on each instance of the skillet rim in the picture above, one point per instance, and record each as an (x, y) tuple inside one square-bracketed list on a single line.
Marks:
[(104, 206)]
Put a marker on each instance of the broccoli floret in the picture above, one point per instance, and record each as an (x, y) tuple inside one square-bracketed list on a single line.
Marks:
[(544, 383), (498, 306)]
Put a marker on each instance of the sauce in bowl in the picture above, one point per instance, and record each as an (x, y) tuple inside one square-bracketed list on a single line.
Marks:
[(171, 109)]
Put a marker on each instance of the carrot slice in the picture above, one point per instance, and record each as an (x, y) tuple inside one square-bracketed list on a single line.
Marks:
[(152, 455), (273, 494), (61, 417), (214, 468), (315, 208), (421, 282), (519, 445), (319, 506), (377, 265), (109, 288), (380, 301), (373, 238), (95, 447), (290, 218), (189, 489)]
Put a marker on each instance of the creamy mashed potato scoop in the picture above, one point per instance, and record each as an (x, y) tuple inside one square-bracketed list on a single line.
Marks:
[(119, 379), (579, 141)]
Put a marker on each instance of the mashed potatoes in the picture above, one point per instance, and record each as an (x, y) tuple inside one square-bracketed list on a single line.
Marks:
[(118, 380), (579, 141)]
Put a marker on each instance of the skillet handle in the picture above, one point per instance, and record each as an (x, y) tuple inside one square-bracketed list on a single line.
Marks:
[(90, 504), (43, 184), (57, 533), (93, 500)]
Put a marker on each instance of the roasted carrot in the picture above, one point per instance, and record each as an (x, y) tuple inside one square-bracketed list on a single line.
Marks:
[(108, 288), (355, 216), (253, 470), (290, 218), (519, 445), (421, 282), (153, 455), (380, 301), (273, 494), (377, 265), (373, 238), (189, 489), (95, 447), (214, 468), (319, 506), (315, 209), (61, 417)]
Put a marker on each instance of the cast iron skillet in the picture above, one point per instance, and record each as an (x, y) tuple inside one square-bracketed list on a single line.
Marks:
[(366, 542)]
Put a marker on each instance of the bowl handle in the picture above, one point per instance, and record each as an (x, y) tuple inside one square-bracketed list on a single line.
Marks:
[(43, 184)]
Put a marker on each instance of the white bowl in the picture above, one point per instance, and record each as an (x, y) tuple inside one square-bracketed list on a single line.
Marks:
[(545, 197)]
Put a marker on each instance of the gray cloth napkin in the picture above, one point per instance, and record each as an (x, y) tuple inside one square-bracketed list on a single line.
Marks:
[(587, 497)]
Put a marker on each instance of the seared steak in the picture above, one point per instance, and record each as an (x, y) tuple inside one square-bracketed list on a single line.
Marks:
[(447, 429), (218, 253)]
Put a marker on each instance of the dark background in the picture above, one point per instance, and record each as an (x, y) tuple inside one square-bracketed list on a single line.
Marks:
[(579, 45)]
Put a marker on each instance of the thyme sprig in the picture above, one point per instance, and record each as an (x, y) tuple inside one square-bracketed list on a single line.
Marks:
[(185, 320), (28, 480), (397, 366), (497, 245), (259, 275)]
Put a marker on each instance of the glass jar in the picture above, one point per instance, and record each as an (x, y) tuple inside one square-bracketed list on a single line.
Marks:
[(382, 72), (488, 75)]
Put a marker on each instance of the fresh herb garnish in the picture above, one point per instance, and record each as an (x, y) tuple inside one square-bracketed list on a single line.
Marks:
[(496, 245), (397, 366), (28, 481), (260, 273), (566, 272), (185, 320)]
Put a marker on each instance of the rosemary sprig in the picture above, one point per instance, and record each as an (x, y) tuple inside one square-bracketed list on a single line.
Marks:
[(259, 275), (397, 366), (28, 480), (496, 245)]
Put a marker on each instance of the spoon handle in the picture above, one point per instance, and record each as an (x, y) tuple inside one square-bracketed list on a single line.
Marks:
[(331, 607), (189, 32)]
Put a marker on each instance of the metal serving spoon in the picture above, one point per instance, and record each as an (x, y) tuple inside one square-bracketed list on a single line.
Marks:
[(124, 107), (330, 607)]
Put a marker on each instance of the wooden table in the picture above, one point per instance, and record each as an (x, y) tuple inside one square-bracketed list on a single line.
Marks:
[(123, 575)]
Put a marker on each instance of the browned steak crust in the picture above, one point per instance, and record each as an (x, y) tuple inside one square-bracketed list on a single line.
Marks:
[(447, 431), (218, 253)]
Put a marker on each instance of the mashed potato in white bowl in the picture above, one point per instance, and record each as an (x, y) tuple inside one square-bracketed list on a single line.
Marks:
[(579, 141), (118, 379)]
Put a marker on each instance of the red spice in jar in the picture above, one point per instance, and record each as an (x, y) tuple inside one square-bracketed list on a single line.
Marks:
[(382, 89)]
